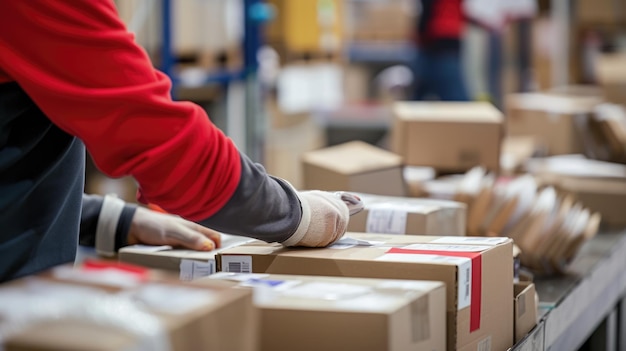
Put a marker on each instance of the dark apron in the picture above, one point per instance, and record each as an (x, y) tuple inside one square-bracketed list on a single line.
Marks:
[(41, 186)]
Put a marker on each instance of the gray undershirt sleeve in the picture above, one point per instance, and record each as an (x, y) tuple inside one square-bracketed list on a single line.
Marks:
[(262, 207)]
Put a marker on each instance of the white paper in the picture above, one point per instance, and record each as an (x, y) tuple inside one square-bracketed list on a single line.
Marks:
[(237, 263), (464, 271), (476, 240), (150, 248), (449, 247), (173, 299), (238, 277), (192, 269), (387, 219), (347, 242)]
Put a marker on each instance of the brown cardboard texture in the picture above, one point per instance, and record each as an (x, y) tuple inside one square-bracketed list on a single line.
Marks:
[(551, 118), (313, 312), (612, 76), (448, 136), (525, 309), (189, 264), (354, 166), (416, 216), (222, 320), (479, 306)]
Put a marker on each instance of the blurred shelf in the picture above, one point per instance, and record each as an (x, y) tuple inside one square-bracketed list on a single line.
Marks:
[(382, 52)]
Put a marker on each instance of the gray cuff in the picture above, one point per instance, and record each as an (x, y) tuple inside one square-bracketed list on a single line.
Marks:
[(112, 208), (262, 207)]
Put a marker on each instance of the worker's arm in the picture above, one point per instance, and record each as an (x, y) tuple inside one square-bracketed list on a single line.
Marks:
[(107, 217), (79, 64)]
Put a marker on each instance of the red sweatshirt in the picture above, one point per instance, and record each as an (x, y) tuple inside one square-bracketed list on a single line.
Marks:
[(76, 60)]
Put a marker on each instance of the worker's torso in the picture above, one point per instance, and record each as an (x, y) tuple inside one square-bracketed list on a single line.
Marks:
[(41, 184)]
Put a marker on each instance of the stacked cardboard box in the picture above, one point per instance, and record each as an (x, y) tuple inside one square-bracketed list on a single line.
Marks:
[(611, 72), (105, 308), (354, 166), (450, 137), (381, 21), (401, 215), (608, 128), (478, 275), (525, 308), (188, 264), (557, 120), (330, 313)]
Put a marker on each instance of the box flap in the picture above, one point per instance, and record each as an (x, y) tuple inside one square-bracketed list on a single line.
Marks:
[(353, 157), (471, 112)]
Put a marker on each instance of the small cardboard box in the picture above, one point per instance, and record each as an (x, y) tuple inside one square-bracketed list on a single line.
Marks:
[(556, 120), (348, 314), (401, 215), (189, 264), (354, 166), (478, 278), (156, 314), (448, 136), (525, 309)]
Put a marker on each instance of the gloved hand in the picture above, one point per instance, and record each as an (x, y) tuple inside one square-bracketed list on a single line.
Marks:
[(324, 219), (154, 228)]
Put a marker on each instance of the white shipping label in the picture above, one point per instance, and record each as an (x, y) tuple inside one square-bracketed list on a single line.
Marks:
[(451, 248), (327, 291), (191, 269), (238, 277), (464, 271), (386, 219), (475, 240), (237, 263)]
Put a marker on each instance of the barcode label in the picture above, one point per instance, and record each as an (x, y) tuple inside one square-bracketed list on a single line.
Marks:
[(465, 284), (485, 344), (237, 264), (386, 220), (190, 269)]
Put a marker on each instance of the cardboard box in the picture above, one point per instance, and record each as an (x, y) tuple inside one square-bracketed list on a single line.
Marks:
[(188, 264), (600, 12), (354, 166), (155, 315), (611, 72), (401, 215), (554, 119), (347, 313), (525, 309), (478, 277), (448, 136)]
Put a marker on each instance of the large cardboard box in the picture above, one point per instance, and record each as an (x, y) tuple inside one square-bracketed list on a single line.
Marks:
[(402, 215), (331, 313), (600, 12), (68, 309), (188, 264), (478, 278), (354, 166), (556, 120), (448, 136), (525, 309)]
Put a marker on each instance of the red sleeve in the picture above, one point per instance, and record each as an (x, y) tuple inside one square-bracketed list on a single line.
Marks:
[(79, 64)]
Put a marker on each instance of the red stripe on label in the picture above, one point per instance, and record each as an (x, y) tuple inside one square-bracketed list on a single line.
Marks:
[(477, 267)]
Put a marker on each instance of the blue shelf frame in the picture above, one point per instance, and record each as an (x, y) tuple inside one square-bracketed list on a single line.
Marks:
[(252, 41)]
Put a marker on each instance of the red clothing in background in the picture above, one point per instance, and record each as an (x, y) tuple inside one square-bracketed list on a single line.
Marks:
[(76, 60)]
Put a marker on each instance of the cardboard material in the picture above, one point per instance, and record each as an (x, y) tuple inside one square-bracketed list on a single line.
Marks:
[(554, 119), (354, 166), (525, 309), (211, 317), (478, 283), (401, 215), (448, 136), (347, 313), (188, 264), (611, 73)]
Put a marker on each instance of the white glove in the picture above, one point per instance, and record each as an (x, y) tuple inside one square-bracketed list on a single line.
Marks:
[(154, 228), (324, 220)]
